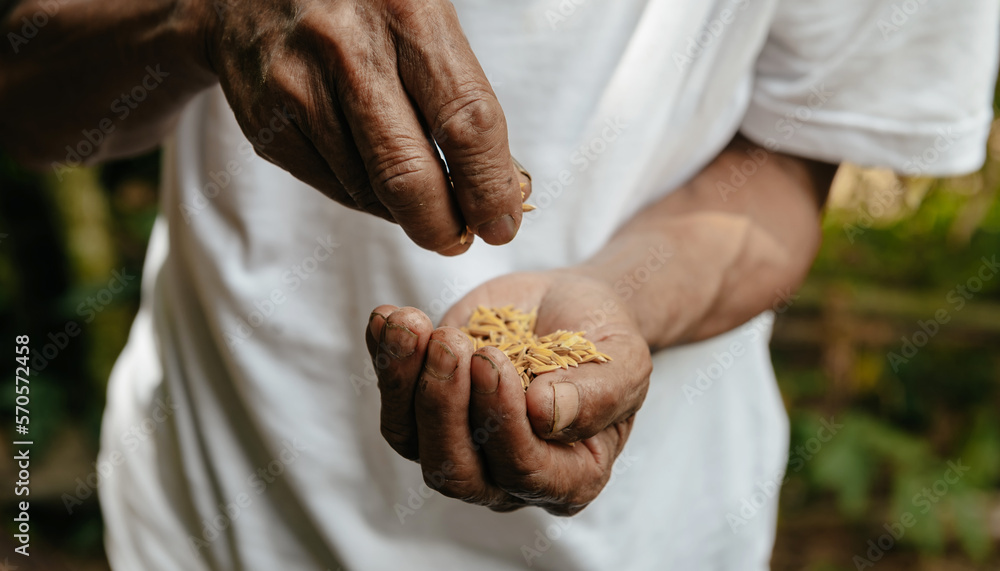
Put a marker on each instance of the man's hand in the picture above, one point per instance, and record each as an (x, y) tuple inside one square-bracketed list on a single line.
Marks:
[(350, 96), (465, 417), (370, 86)]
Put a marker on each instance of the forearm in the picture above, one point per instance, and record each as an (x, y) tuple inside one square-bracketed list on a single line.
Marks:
[(708, 257), (103, 77)]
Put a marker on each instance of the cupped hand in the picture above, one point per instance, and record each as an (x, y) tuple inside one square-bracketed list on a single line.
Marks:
[(464, 416), (350, 96)]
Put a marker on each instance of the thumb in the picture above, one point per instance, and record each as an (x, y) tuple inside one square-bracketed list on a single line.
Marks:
[(569, 405)]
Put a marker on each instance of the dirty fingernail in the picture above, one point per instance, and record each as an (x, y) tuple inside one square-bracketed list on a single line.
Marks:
[(500, 230), (371, 319), (488, 382), (441, 361), (565, 405), (400, 342)]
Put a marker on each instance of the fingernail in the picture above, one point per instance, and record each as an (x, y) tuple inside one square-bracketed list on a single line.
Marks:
[(441, 362), (489, 383), (565, 405), (371, 318), (400, 342), (520, 169), (500, 230)]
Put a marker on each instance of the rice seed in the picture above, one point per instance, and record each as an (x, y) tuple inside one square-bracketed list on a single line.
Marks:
[(512, 331)]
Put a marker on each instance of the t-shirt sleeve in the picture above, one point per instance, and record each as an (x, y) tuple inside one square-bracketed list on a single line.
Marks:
[(903, 84)]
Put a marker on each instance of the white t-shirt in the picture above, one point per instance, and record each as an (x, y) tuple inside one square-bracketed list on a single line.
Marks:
[(242, 418)]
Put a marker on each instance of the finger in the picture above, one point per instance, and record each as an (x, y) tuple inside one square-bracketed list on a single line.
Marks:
[(373, 331), (322, 122), (281, 131), (518, 461), (403, 169), (569, 405), (450, 89), (400, 355), (334, 143), (562, 479), (448, 458), (291, 150)]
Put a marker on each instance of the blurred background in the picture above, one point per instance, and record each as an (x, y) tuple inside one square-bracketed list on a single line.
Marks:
[(894, 341)]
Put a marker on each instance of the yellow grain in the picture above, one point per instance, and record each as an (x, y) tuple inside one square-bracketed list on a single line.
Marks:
[(512, 331)]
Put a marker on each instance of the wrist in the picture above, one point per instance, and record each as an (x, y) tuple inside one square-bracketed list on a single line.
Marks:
[(622, 281)]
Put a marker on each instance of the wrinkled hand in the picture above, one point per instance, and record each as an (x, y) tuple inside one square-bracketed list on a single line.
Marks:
[(465, 418), (350, 95)]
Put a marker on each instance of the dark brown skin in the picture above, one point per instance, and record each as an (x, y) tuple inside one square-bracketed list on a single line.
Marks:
[(731, 257), (366, 84)]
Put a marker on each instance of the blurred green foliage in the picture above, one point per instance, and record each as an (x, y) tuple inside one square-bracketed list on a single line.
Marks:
[(60, 243), (877, 278)]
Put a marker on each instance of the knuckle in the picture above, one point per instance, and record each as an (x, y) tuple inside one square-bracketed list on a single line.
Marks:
[(597, 412), (400, 175), (326, 22), (433, 401), (421, 17), (527, 484), (471, 115)]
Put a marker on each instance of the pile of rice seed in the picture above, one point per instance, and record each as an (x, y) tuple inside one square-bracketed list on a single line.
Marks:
[(513, 332)]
